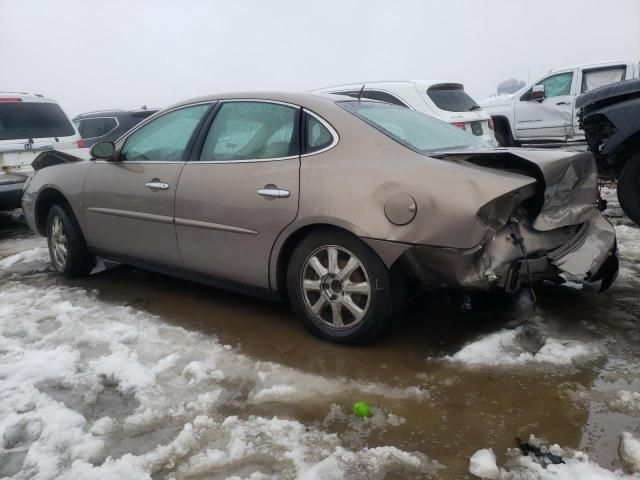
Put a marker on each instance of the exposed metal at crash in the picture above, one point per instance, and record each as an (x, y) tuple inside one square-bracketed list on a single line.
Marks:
[(549, 227)]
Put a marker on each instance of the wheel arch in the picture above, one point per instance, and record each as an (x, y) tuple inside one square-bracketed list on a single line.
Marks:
[(284, 248), (47, 198), (502, 123)]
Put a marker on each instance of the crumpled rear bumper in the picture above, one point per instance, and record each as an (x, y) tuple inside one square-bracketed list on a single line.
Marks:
[(592, 254), (518, 254)]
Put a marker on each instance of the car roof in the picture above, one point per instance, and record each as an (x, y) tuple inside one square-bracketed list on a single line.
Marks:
[(295, 98), (389, 84), (592, 65), (26, 97), (115, 113)]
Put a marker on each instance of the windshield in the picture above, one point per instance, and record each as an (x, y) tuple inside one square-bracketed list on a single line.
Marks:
[(28, 120), (419, 132)]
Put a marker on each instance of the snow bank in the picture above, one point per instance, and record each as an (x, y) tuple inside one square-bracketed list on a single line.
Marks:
[(577, 465), (36, 258), (503, 348), (628, 242), (94, 390), (482, 464), (626, 402)]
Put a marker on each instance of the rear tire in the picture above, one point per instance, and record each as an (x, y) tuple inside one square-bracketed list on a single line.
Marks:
[(350, 299), (629, 188), (67, 248)]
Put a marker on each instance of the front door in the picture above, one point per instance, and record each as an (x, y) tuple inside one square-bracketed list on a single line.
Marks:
[(241, 191), (129, 204), (552, 117)]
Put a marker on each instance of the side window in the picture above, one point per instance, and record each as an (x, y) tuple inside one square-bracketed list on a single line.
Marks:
[(383, 97), (166, 137), (317, 136), (557, 85), (97, 127), (252, 131), (603, 76)]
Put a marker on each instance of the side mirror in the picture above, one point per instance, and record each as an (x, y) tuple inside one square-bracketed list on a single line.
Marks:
[(537, 92), (103, 151)]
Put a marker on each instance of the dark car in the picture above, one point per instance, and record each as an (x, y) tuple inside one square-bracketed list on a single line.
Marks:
[(108, 125), (610, 118)]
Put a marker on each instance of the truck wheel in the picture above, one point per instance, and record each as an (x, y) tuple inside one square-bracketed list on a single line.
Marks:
[(629, 188), (67, 248), (341, 290)]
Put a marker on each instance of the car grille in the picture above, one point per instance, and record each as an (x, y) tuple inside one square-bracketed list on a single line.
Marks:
[(476, 128)]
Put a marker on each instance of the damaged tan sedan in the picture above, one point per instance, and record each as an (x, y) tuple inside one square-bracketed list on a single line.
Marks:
[(332, 203)]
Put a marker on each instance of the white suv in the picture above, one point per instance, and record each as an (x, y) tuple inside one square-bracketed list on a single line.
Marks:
[(29, 124), (444, 100)]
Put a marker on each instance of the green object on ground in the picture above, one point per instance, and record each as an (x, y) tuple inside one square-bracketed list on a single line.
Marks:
[(361, 409)]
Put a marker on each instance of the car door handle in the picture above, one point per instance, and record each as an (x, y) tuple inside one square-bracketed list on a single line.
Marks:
[(563, 103), (156, 184), (273, 192)]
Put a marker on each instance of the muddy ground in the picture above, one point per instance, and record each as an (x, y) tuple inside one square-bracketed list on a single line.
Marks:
[(133, 372)]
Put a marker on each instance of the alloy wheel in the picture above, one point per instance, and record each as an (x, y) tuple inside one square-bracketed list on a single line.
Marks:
[(58, 243), (335, 287)]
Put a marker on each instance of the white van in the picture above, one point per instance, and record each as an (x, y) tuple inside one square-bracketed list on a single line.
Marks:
[(444, 100), (544, 111), (29, 124)]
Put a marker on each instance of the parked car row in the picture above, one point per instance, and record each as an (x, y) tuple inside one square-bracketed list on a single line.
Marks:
[(337, 204), (340, 200), (29, 124), (32, 123), (544, 112)]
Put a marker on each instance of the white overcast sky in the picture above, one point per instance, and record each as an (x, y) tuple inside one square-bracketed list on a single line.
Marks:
[(122, 54)]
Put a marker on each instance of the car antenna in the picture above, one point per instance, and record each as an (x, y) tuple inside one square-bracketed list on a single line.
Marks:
[(360, 92)]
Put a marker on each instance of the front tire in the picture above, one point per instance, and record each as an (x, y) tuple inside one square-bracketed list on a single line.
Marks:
[(341, 290), (629, 188), (67, 248)]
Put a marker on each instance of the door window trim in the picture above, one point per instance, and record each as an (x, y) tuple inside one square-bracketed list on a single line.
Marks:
[(600, 69), (328, 126), (188, 149), (195, 156), (572, 90)]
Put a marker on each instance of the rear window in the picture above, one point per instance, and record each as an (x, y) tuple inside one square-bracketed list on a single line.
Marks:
[(419, 132), (22, 120), (96, 127), (452, 98)]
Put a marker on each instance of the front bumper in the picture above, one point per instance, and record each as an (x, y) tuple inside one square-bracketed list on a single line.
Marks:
[(518, 254), (11, 190)]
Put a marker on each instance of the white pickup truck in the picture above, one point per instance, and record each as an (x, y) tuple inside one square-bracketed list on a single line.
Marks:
[(544, 111)]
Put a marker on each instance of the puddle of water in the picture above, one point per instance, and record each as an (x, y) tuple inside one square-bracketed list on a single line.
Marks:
[(457, 409)]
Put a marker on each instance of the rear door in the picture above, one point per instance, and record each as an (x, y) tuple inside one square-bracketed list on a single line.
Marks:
[(129, 204), (551, 117), (240, 191)]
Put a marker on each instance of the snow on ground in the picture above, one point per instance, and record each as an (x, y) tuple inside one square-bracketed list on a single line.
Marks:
[(577, 464), (510, 348), (87, 387), (626, 402), (628, 241)]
